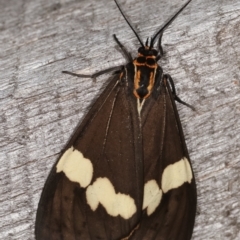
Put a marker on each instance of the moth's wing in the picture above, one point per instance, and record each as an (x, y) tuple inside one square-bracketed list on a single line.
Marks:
[(170, 191), (94, 191)]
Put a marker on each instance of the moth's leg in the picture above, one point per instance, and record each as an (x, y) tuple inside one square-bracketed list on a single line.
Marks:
[(124, 50), (176, 98), (112, 69)]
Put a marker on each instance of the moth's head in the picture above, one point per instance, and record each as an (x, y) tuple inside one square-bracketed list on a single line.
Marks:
[(148, 50)]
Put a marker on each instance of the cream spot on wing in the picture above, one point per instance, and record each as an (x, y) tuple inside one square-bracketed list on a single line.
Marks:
[(102, 191), (139, 106), (76, 167), (152, 196), (175, 175)]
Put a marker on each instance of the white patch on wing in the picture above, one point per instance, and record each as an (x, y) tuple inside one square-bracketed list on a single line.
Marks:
[(175, 175), (152, 196), (102, 191), (76, 167), (140, 105)]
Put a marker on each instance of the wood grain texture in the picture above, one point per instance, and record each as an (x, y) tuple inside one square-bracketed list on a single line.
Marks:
[(40, 107)]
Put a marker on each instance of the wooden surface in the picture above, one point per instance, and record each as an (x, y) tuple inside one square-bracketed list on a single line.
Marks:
[(40, 106)]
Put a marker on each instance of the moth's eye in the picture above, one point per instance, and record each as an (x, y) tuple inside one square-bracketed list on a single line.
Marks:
[(150, 61), (141, 50), (154, 52), (141, 60)]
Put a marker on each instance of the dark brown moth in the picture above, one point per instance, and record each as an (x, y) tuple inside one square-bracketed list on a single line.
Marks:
[(126, 173)]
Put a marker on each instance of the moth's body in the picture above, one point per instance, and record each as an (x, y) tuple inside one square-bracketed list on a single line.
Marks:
[(145, 70), (125, 174)]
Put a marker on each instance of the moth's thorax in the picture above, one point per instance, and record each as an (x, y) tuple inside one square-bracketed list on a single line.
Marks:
[(145, 67)]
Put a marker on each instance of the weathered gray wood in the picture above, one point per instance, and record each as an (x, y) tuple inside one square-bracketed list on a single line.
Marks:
[(40, 107)]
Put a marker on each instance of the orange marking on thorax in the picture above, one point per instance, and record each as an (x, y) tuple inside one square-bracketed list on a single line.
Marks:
[(153, 57), (136, 82), (151, 82), (152, 66), (136, 63), (121, 75)]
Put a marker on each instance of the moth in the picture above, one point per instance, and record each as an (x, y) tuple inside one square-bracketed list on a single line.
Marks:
[(125, 173)]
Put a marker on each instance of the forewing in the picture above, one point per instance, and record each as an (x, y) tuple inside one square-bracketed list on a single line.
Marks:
[(95, 189), (169, 192)]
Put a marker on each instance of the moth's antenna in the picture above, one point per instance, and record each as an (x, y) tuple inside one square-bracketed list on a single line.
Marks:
[(146, 44), (167, 24), (139, 39)]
